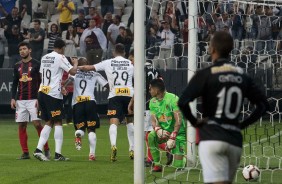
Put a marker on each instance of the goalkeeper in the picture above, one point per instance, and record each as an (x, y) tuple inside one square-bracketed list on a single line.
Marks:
[(168, 124)]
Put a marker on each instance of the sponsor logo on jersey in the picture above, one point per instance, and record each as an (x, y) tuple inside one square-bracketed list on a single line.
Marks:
[(80, 125), (45, 89), (55, 113), (164, 118), (111, 112), (226, 68), (25, 78), (91, 123), (122, 91), (82, 98)]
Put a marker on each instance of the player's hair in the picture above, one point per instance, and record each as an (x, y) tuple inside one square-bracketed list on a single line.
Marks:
[(59, 43), (158, 83), (222, 42), (82, 61), (118, 18), (119, 48), (24, 44), (37, 20)]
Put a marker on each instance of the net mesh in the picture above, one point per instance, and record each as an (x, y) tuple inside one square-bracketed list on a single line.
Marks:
[(256, 29)]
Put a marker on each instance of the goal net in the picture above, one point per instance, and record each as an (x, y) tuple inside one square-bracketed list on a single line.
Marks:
[(256, 29)]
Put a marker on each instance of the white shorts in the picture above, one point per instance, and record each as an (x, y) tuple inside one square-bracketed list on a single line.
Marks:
[(147, 121), (219, 160), (25, 110)]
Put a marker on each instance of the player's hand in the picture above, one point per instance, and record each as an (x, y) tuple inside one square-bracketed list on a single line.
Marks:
[(162, 134), (170, 144), (74, 60), (64, 91), (13, 104), (130, 107)]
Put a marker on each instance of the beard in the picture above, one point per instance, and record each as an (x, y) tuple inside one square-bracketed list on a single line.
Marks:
[(25, 57)]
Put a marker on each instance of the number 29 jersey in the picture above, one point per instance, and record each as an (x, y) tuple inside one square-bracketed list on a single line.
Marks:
[(52, 68), (119, 72), (84, 85)]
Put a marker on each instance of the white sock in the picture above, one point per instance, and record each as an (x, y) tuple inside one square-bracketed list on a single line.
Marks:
[(92, 142), (113, 134), (79, 132), (58, 136), (44, 136), (130, 135)]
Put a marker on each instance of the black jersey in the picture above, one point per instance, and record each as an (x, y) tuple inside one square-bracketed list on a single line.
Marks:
[(26, 80), (151, 73), (223, 88)]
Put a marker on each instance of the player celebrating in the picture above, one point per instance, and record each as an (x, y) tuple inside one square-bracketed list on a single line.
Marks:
[(26, 80), (84, 106), (168, 124), (119, 72), (223, 88), (50, 98)]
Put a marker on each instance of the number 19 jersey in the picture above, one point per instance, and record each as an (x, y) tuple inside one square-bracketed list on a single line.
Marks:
[(119, 72), (52, 68), (84, 85)]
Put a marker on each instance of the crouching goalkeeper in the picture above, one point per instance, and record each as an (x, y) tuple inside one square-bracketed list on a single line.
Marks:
[(168, 124)]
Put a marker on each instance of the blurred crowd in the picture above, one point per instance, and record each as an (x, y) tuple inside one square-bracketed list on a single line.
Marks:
[(91, 28)]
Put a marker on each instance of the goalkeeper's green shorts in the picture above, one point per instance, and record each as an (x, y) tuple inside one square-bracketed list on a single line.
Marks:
[(180, 145)]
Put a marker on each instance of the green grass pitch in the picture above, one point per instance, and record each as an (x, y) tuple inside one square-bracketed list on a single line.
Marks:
[(102, 171)]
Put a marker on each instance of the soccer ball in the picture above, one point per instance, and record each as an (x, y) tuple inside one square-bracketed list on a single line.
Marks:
[(251, 173)]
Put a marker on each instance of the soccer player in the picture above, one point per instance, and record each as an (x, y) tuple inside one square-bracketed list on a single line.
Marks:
[(223, 88), (24, 96), (168, 125), (84, 106), (50, 98), (150, 74), (119, 72)]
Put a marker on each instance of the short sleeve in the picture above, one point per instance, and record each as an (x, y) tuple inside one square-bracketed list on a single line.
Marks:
[(101, 66), (173, 102), (65, 64)]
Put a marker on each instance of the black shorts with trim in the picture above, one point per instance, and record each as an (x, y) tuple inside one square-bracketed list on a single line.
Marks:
[(117, 107), (85, 115), (50, 108)]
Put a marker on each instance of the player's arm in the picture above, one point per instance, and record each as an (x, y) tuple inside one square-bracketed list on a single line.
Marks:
[(87, 68), (192, 91), (73, 70), (130, 107), (14, 88), (257, 97)]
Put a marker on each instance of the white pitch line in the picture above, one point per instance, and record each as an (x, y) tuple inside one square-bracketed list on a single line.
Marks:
[(172, 175)]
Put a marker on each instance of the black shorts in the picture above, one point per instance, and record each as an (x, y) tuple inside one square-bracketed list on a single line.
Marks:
[(117, 107), (50, 108), (85, 116)]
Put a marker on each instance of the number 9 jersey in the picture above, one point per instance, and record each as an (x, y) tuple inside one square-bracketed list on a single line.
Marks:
[(52, 68), (119, 72)]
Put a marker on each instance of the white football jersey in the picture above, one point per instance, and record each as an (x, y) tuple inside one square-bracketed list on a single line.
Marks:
[(52, 68), (84, 85), (119, 72)]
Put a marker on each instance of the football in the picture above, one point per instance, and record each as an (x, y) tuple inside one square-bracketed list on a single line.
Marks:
[(251, 173)]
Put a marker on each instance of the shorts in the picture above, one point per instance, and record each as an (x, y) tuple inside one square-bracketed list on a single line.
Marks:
[(50, 108), (219, 160), (26, 110), (85, 116), (147, 121), (117, 107)]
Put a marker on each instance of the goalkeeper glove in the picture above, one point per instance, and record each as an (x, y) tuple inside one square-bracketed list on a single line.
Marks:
[(170, 144), (162, 134)]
